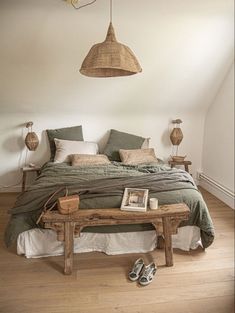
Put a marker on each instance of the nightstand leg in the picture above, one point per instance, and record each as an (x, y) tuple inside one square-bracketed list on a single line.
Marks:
[(186, 167), (23, 181)]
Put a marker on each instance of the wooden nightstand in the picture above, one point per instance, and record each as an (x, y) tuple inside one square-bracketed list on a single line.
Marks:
[(28, 169), (185, 163)]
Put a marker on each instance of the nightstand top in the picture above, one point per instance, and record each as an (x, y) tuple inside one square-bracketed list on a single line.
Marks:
[(180, 162), (31, 168)]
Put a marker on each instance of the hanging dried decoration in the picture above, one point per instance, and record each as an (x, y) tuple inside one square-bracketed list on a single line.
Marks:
[(110, 58)]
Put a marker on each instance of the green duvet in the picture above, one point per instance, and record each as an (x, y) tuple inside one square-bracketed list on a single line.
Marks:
[(102, 187)]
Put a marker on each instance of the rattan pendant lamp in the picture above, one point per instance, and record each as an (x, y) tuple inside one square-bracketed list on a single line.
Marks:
[(110, 58)]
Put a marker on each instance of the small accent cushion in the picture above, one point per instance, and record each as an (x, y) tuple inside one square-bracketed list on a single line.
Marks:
[(67, 133), (64, 148), (120, 140), (87, 159), (138, 156)]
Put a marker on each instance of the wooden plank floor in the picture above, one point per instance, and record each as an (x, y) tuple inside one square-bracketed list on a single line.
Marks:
[(200, 281)]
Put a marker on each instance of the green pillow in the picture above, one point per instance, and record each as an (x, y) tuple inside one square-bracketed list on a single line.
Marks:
[(67, 133), (120, 140)]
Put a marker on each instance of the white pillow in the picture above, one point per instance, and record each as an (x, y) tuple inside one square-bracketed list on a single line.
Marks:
[(66, 147)]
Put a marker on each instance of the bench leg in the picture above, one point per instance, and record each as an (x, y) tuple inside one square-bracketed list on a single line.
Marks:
[(168, 241), (160, 242), (68, 247)]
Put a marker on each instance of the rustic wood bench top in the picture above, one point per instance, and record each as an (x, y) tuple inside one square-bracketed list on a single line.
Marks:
[(172, 210), (165, 220)]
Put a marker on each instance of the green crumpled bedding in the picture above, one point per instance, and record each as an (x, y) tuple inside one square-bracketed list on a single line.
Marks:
[(102, 187)]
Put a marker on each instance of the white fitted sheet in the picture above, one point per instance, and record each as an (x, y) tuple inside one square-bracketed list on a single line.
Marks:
[(36, 243)]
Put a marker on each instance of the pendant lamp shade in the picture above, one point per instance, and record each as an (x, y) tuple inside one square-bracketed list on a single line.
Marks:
[(110, 59)]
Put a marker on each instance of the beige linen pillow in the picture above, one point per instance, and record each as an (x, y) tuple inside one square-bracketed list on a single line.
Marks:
[(87, 159), (64, 148), (138, 156)]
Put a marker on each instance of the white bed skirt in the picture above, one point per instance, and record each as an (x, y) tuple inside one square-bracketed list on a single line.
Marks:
[(36, 243)]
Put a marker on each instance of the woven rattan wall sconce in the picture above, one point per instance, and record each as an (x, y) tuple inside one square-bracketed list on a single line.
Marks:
[(109, 58), (176, 137), (31, 139)]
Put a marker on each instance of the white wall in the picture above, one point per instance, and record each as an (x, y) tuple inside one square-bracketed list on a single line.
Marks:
[(95, 127), (185, 49), (218, 147)]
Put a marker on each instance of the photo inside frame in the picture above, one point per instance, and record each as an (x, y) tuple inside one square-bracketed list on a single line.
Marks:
[(136, 198)]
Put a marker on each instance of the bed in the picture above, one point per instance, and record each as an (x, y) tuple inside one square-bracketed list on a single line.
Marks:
[(102, 186)]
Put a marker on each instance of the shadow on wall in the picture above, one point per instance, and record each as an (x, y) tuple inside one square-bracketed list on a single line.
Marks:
[(103, 141), (13, 175), (166, 143), (16, 149), (42, 154), (165, 139), (13, 144)]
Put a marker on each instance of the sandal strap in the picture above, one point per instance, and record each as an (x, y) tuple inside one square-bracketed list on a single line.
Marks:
[(148, 273), (137, 267)]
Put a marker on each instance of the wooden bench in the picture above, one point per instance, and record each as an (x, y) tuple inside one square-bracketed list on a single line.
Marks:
[(165, 220)]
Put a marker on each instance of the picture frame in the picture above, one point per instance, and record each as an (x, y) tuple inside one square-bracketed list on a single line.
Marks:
[(135, 199)]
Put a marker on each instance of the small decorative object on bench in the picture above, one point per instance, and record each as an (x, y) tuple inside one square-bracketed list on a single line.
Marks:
[(69, 204), (134, 199)]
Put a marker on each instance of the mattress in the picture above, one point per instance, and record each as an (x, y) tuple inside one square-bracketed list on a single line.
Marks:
[(36, 243)]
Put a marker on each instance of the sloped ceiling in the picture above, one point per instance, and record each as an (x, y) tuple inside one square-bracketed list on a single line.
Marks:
[(185, 48)]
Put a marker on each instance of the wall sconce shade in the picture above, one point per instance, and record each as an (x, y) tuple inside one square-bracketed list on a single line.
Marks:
[(176, 136), (110, 59), (31, 139)]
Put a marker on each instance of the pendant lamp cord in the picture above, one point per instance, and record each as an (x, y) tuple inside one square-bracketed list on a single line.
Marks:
[(81, 6), (89, 3), (111, 11)]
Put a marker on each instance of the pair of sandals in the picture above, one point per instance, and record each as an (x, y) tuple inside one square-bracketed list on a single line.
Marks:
[(143, 273)]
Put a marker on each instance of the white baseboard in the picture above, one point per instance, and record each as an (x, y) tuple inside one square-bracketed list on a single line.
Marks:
[(219, 192)]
